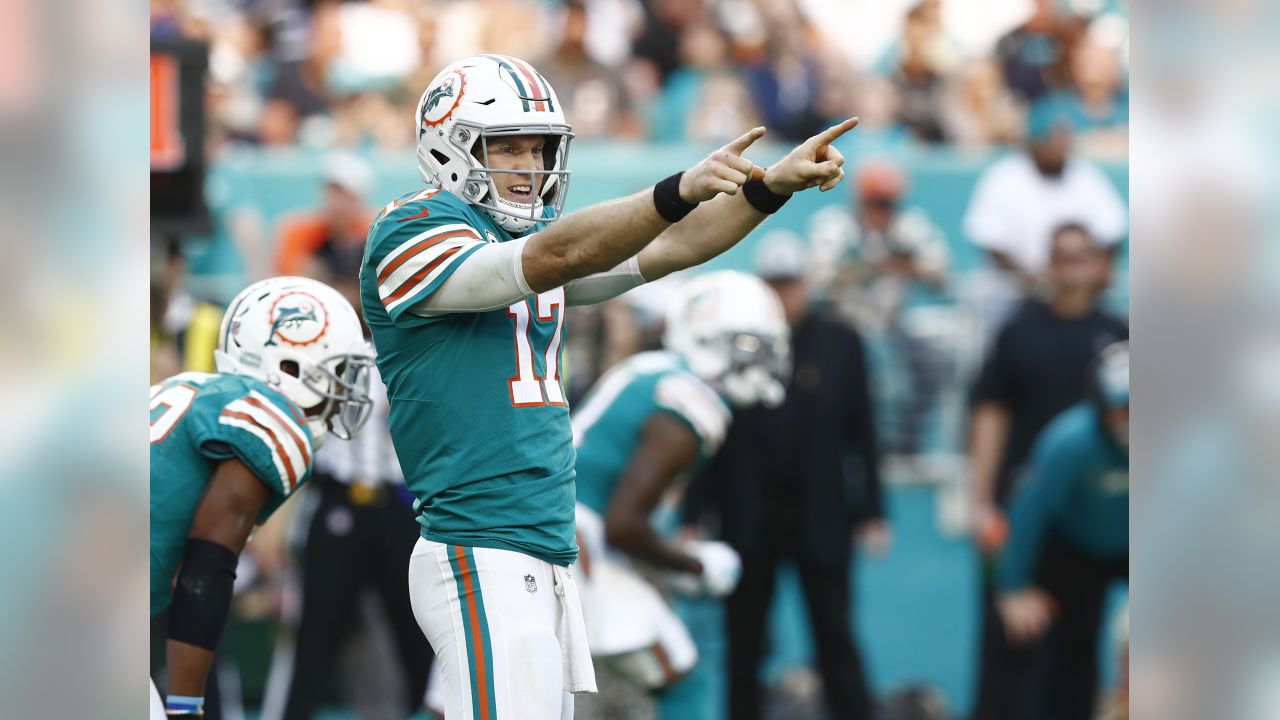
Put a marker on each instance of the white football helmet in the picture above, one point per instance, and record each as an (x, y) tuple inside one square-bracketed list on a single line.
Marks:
[(302, 338), (481, 97), (730, 328)]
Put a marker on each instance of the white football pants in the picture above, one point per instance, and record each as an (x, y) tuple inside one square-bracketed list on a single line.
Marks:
[(630, 627), (507, 631)]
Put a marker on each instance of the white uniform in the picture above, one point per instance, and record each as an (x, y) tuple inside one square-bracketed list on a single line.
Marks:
[(507, 631), (157, 706), (630, 628)]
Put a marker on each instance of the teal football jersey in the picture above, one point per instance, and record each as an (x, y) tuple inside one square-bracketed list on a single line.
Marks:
[(607, 426), (478, 414), (197, 420)]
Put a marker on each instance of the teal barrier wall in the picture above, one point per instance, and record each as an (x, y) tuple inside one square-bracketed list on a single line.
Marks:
[(257, 188)]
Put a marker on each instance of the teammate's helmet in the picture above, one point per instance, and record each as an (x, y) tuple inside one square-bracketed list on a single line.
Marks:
[(730, 328), (1109, 389), (484, 96), (302, 338)]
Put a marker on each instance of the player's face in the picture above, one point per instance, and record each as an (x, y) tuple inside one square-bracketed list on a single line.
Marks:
[(517, 152)]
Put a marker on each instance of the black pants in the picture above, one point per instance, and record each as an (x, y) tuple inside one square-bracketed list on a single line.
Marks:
[(1055, 678), (827, 595), (348, 548)]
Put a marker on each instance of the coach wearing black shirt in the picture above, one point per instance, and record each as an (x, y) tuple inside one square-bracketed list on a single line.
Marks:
[(1035, 370), (797, 482)]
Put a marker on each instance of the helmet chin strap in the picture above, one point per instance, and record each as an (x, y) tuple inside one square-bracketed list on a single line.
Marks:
[(319, 432), (224, 363), (511, 223)]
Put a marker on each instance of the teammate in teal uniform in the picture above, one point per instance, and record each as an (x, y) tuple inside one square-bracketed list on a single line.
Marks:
[(228, 448), (1068, 541), (646, 423), (464, 287)]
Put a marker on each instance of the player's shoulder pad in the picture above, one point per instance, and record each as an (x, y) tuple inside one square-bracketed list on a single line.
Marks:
[(416, 246), (420, 210), (267, 431), (652, 361), (689, 397)]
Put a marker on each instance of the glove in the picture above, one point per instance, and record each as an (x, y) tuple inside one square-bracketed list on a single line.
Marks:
[(721, 569)]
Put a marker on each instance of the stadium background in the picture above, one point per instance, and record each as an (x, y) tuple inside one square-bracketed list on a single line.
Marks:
[(917, 607)]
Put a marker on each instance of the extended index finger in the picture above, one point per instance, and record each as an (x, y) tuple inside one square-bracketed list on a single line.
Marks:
[(737, 147), (828, 136)]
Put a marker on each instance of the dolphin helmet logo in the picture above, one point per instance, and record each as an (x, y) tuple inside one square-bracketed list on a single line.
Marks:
[(434, 108), (297, 318), (437, 93)]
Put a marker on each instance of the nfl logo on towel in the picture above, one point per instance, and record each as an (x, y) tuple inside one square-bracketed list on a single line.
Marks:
[(530, 583)]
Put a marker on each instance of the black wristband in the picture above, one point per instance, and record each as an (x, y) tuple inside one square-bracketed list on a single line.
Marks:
[(762, 198), (667, 200)]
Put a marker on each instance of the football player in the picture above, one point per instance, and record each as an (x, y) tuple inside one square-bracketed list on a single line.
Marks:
[(1068, 543), (228, 448), (464, 286), (647, 422)]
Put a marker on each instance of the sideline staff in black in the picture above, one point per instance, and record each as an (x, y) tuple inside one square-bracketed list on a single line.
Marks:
[(795, 481)]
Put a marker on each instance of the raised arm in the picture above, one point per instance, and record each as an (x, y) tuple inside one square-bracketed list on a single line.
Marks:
[(719, 224), (603, 236)]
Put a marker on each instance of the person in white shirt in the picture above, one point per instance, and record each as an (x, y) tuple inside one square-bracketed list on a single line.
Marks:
[(1020, 199)]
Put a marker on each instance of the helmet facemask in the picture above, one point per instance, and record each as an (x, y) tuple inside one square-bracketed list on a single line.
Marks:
[(342, 383), (750, 368), (478, 187), (757, 369)]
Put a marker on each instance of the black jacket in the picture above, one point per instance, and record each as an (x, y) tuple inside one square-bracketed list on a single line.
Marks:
[(804, 474)]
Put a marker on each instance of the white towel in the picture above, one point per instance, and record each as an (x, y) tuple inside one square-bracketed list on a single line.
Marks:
[(579, 674)]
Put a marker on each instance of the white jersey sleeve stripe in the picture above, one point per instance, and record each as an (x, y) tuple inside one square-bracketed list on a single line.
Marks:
[(300, 435), (694, 401), (442, 264), (408, 245), (294, 456), (412, 268), (294, 460), (262, 435)]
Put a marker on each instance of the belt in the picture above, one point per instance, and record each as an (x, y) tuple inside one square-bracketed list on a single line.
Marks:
[(359, 493)]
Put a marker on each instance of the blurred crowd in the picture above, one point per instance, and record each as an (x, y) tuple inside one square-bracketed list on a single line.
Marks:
[(346, 73), (1005, 347)]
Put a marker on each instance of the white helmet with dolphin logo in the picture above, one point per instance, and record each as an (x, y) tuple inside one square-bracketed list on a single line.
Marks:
[(302, 338)]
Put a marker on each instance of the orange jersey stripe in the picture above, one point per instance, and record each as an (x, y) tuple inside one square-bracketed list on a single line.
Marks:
[(477, 638), (288, 465), (417, 277), (660, 654), (270, 409), (584, 558), (418, 248)]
